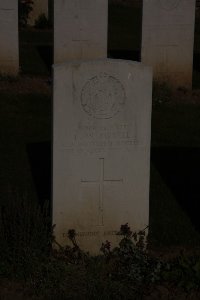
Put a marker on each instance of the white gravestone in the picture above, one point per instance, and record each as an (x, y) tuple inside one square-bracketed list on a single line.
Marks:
[(101, 149), (168, 39), (80, 29), (9, 48)]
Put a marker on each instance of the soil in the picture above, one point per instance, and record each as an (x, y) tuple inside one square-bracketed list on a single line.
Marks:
[(184, 96)]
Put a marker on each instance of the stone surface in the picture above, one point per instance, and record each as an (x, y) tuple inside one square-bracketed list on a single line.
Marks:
[(39, 7), (80, 29), (101, 149), (168, 38), (9, 50)]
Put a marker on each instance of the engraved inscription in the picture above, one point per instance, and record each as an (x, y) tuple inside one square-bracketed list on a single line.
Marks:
[(102, 135), (169, 4), (95, 138), (111, 232), (88, 233), (103, 96), (93, 233)]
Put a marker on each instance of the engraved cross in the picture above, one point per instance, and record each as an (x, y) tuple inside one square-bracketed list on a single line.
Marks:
[(101, 182)]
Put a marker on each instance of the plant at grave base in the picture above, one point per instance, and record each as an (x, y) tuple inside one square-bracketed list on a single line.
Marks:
[(24, 7), (106, 249), (139, 238), (183, 272), (162, 92), (72, 237), (129, 262), (72, 255), (24, 234)]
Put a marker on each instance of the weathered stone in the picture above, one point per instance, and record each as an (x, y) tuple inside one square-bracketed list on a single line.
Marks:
[(9, 50), (168, 38), (101, 149), (80, 29)]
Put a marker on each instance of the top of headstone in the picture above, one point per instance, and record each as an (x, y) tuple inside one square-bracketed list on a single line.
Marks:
[(101, 61)]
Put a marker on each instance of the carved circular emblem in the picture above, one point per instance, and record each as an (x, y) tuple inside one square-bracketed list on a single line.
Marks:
[(169, 4), (103, 96)]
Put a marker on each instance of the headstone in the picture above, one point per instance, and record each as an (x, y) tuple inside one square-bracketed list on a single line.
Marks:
[(168, 38), (101, 149), (9, 50), (80, 29)]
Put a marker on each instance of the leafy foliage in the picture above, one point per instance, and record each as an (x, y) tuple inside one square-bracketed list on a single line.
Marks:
[(42, 22), (127, 271), (162, 93), (130, 262), (71, 255), (183, 271), (24, 7)]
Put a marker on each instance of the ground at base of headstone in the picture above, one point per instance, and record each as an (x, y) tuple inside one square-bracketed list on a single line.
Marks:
[(26, 84), (128, 271)]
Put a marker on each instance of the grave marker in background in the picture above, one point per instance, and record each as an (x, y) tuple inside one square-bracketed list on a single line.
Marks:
[(80, 29), (9, 49), (101, 149), (168, 38)]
